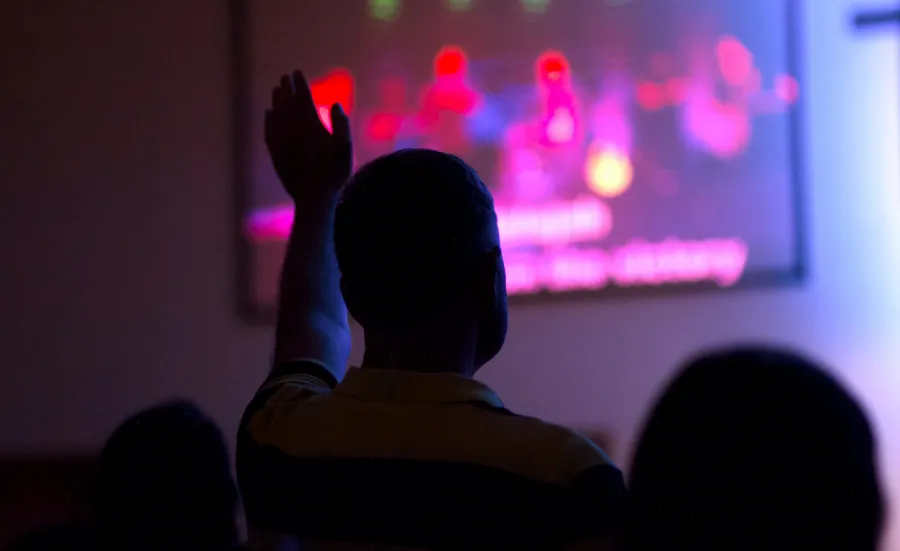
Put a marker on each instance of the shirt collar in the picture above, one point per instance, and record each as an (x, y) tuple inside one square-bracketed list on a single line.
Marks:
[(393, 385)]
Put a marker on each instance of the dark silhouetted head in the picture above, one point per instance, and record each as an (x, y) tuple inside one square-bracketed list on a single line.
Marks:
[(164, 482), (752, 449), (67, 536), (419, 250)]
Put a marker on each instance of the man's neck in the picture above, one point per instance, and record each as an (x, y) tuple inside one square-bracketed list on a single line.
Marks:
[(421, 353)]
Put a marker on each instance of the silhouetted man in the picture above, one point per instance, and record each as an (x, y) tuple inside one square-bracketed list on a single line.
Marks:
[(408, 450)]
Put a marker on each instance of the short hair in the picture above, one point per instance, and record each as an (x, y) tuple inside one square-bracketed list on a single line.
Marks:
[(408, 225), (755, 448), (164, 479)]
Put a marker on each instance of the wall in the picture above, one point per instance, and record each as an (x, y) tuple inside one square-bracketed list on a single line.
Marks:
[(116, 273), (117, 280)]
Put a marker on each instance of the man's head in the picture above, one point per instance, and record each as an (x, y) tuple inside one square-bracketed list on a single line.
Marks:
[(419, 250), (164, 481), (755, 448)]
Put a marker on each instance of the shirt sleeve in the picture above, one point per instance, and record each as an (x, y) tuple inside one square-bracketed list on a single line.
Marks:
[(305, 377), (259, 466), (302, 372)]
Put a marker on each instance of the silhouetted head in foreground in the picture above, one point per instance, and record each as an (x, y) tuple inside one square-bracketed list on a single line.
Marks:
[(67, 536), (164, 482), (752, 449), (419, 250)]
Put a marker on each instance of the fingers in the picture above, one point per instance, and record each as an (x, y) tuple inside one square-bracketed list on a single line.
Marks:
[(303, 95), (282, 94), (342, 139), (340, 124)]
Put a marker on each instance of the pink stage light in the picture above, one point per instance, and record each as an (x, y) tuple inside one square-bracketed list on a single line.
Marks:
[(271, 224), (787, 89), (383, 127), (735, 61), (561, 126), (651, 96), (676, 90), (721, 129)]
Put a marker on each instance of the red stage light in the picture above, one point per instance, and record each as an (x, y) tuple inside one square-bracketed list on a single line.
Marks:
[(552, 66), (335, 87), (449, 61)]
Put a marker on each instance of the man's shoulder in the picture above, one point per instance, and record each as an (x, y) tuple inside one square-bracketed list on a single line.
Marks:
[(586, 470), (562, 453), (564, 459), (294, 381), (579, 451)]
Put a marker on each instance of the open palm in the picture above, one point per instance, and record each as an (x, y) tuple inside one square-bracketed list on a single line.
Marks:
[(309, 160)]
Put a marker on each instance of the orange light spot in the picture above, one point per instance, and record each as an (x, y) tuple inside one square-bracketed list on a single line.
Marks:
[(608, 172)]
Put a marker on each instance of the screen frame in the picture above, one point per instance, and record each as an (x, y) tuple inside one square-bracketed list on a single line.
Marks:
[(264, 314)]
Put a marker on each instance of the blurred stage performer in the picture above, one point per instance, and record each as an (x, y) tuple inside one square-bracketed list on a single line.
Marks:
[(719, 124), (391, 124), (408, 451), (446, 103), (561, 124), (539, 157), (524, 175)]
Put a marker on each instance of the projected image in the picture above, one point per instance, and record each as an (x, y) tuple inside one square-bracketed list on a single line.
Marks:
[(628, 144)]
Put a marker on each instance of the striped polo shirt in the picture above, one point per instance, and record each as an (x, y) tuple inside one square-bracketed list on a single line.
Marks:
[(396, 458)]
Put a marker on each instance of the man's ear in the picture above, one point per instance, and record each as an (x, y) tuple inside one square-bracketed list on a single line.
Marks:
[(343, 289), (487, 278), (350, 300)]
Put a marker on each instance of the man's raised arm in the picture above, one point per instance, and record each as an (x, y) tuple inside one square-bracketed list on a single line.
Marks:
[(313, 166)]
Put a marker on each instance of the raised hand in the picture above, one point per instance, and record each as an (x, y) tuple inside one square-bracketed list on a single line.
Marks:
[(310, 161), (313, 165)]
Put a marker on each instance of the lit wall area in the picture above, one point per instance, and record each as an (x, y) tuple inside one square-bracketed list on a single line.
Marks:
[(116, 218), (601, 363)]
